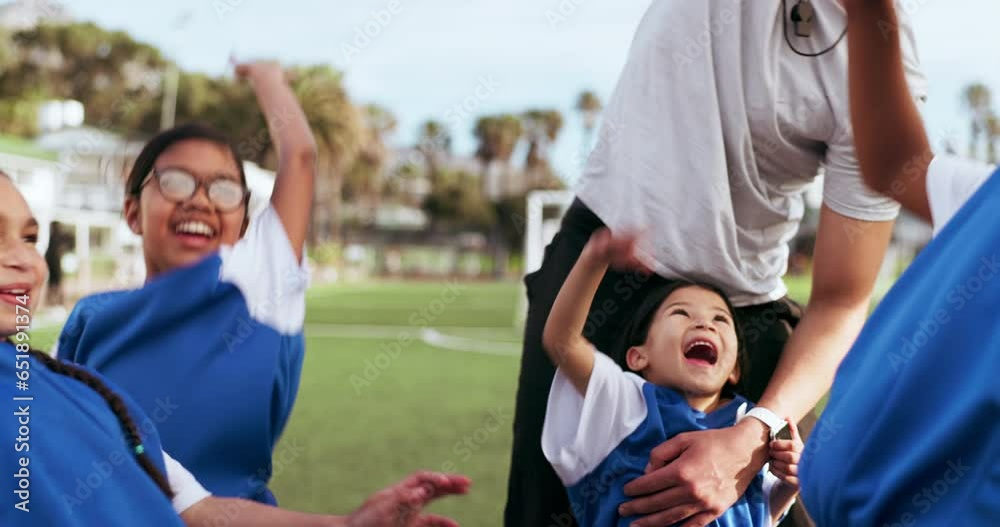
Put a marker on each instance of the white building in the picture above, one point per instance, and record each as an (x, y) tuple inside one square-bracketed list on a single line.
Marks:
[(26, 14)]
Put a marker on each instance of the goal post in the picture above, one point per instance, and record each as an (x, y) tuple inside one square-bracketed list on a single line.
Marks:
[(544, 211)]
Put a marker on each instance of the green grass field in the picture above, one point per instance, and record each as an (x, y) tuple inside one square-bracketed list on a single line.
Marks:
[(371, 410), (376, 402)]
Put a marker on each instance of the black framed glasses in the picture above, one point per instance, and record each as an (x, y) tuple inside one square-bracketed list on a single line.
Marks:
[(179, 185)]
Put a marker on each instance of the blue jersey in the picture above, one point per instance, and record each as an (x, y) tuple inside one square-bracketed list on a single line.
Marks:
[(213, 352), (911, 435), (600, 442), (65, 460)]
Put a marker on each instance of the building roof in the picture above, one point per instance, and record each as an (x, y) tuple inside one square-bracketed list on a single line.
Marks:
[(87, 140)]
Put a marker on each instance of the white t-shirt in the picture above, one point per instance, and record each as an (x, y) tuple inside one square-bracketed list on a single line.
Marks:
[(951, 181), (580, 432), (714, 131)]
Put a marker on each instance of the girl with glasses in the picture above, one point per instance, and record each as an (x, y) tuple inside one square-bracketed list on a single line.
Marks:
[(212, 344), (82, 452)]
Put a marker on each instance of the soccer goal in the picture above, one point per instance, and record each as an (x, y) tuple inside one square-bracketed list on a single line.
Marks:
[(545, 209)]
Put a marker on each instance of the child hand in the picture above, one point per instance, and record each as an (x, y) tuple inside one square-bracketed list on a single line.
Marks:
[(619, 251), (785, 454), (257, 70), (401, 504)]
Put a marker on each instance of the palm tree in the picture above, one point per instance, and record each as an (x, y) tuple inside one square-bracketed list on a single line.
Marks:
[(978, 100), (589, 105), (498, 136), (435, 142), (541, 128), (338, 127), (364, 179), (992, 137)]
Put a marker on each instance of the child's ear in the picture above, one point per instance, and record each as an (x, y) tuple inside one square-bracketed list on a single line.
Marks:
[(636, 359), (132, 215), (734, 376)]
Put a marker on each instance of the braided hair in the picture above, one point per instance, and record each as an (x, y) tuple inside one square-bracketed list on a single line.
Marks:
[(114, 401), (118, 407)]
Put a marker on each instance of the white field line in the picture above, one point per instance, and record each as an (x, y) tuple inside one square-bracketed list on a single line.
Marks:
[(430, 336)]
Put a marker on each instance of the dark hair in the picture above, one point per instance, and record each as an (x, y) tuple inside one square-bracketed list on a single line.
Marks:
[(158, 144), (637, 331), (118, 407), (116, 404)]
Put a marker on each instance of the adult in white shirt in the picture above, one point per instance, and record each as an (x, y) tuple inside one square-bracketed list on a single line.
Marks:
[(722, 116)]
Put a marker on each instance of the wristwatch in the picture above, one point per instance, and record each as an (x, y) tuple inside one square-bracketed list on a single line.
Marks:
[(774, 423)]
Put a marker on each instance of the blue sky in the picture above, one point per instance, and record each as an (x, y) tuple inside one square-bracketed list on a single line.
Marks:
[(430, 56)]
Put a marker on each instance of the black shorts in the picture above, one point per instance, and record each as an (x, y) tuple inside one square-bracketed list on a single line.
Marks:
[(536, 497)]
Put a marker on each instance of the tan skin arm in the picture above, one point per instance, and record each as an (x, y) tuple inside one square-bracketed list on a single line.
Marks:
[(289, 129), (400, 505), (695, 477), (563, 337), (889, 135)]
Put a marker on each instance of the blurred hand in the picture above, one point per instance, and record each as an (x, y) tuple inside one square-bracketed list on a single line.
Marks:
[(254, 71), (619, 251), (785, 454), (401, 504)]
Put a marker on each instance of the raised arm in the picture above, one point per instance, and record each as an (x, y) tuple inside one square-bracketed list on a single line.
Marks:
[(696, 476), (563, 337), (891, 141), (289, 129)]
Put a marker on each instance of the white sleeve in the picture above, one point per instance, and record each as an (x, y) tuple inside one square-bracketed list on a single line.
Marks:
[(951, 181), (187, 490), (580, 432), (770, 482), (844, 190), (264, 267)]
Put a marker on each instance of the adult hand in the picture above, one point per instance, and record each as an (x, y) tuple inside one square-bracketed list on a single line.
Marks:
[(695, 477), (401, 504)]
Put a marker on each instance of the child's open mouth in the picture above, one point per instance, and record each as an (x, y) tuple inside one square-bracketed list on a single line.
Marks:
[(194, 234), (701, 352)]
